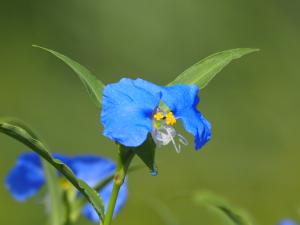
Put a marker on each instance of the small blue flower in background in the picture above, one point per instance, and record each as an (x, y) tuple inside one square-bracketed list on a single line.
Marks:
[(133, 108), (287, 222), (27, 178)]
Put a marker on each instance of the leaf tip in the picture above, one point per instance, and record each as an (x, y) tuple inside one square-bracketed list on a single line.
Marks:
[(36, 46), (255, 49), (251, 50)]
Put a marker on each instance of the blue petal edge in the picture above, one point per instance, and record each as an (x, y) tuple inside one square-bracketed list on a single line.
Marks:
[(183, 101), (127, 110), (26, 178)]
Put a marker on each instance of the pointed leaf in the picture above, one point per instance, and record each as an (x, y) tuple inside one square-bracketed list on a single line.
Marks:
[(57, 216), (204, 71), (232, 214), (24, 134), (80, 201), (93, 86), (146, 152)]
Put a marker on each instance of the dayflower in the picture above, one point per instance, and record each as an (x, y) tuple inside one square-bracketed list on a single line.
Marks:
[(134, 108), (26, 178), (287, 222)]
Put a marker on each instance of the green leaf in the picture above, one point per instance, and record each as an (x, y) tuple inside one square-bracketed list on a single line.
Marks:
[(232, 214), (57, 216), (93, 86), (24, 134), (204, 71), (80, 202), (146, 152)]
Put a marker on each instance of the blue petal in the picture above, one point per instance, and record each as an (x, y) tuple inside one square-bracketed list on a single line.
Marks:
[(183, 100), (127, 110), (26, 178), (287, 222), (94, 169), (105, 194), (91, 169)]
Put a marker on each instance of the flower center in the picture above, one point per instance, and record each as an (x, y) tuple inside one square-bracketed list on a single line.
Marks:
[(168, 117), (158, 116), (163, 131)]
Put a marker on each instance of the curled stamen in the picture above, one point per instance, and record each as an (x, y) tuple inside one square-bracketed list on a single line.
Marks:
[(162, 135), (182, 139), (163, 131), (177, 147), (166, 134)]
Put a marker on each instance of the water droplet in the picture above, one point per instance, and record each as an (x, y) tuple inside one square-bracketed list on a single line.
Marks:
[(154, 172)]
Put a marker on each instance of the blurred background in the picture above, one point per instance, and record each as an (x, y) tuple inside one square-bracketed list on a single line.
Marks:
[(253, 104)]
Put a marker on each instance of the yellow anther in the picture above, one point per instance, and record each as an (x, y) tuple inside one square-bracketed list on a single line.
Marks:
[(158, 116), (65, 184), (170, 119)]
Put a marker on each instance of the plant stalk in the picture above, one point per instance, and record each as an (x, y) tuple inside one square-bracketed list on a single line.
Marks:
[(112, 203), (125, 156)]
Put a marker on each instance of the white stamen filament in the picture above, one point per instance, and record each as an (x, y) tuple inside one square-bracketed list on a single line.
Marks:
[(166, 134), (182, 139), (177, 147)]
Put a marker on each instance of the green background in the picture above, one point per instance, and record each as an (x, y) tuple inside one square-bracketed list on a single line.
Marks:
[(253, 105)]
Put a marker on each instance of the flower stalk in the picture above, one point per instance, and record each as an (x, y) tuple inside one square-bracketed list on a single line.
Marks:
[(125, 156)]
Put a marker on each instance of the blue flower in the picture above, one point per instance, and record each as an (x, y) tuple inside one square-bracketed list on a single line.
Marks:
[(27, 178), (287, 222), (134, 108)]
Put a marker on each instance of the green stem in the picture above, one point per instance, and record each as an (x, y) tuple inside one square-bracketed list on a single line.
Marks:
[(112, 204), (125, 156), (67, 204)]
